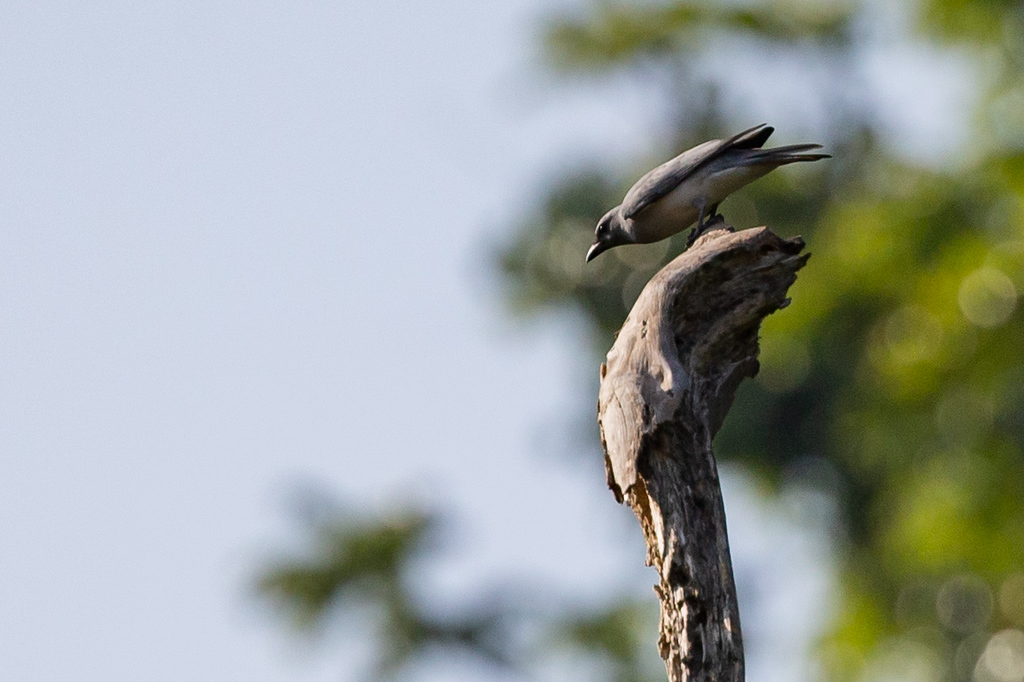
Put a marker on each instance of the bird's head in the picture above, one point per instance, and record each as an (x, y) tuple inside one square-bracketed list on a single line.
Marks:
[(611, 231)]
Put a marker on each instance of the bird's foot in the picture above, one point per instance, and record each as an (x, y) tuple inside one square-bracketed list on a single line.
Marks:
[(694, 233), (711, 223)]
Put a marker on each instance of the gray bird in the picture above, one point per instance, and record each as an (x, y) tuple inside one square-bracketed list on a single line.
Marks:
[(689, 188)]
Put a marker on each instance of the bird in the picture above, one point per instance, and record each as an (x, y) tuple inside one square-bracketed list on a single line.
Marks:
[(689, 188)]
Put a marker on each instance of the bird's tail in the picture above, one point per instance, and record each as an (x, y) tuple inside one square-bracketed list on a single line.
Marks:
[(779, 156)]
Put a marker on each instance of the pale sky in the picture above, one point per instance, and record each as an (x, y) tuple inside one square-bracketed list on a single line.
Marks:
[(244, 250)]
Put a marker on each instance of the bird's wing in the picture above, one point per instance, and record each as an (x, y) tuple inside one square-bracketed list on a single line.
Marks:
[(666, 177)]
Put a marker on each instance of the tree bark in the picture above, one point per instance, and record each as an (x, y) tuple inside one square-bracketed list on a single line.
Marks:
[(668, 382)]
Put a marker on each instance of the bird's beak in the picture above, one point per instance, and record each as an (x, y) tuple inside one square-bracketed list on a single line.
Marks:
[(596, 249)]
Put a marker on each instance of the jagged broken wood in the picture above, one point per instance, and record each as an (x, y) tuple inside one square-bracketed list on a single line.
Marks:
[(668, 382)]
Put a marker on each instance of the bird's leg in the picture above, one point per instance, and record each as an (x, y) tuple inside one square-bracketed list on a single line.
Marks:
[(699, 228), (714, 213)]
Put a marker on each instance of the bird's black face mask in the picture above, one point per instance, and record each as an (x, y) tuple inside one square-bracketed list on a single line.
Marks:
[(609, 233)]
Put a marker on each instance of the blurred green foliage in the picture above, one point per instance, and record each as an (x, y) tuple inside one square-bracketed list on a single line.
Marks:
[(894, 384), (613, 34), (368, 568), (351, 563)]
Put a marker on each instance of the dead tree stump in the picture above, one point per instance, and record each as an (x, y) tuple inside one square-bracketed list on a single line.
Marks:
[(669, 380)]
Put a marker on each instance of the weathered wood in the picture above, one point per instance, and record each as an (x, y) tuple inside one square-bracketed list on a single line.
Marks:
[(669, 380)]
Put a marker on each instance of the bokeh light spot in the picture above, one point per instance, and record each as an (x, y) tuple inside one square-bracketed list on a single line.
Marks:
[(1003, 658), (646, 256), (964, 604), (570, 245), (904, 660), (987, 297)]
